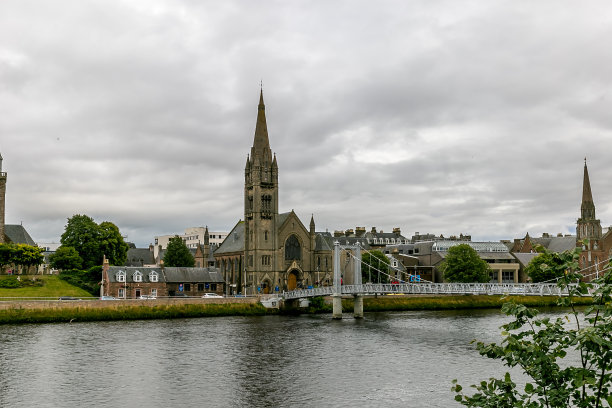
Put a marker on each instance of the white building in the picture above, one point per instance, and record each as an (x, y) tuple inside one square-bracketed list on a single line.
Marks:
[(192, 237)]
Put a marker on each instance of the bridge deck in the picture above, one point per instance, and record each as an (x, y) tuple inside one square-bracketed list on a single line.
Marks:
[(525, 289)]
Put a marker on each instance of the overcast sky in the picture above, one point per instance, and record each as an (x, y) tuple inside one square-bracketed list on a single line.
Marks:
[(445, 117)]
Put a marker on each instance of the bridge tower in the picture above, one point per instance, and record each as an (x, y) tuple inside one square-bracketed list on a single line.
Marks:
[(337, 292)]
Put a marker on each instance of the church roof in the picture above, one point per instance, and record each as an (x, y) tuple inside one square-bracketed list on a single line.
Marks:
[(17, 234), (234, 242), (139, 257), (261, 143), (587, 195)]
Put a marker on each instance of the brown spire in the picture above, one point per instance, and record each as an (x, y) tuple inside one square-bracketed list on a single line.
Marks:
[(261, 144), (587, 207)]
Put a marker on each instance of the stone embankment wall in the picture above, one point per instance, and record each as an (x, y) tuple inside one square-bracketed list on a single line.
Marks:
[(99, 304)]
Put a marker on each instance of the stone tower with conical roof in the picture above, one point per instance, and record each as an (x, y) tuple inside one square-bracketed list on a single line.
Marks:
[(2, 200), (260, 202), (588, 227)]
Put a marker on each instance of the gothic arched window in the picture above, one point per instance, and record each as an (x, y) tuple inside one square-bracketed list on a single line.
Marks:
[(292, 249)]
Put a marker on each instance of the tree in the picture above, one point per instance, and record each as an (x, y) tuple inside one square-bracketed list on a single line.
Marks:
[(6, 255), (537, 346), (462, 264), (83, 234), (545, 267), (112, 245), (93, 241), (374, 267), (66, 258), (177, 253)]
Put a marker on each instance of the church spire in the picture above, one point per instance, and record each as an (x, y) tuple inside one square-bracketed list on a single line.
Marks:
[(587, 208), (261, 145)]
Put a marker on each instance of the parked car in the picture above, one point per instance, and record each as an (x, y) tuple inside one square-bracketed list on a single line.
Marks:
[(211, 295), (68, 298), (147, 297), (179, 294), (108, 298)]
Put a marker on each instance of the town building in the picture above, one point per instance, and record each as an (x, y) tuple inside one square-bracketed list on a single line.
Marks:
[(269, 251), (192, 237), (596, 245), (134, 282)]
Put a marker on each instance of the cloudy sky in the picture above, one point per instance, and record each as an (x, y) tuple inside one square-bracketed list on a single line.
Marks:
[(433, 116)]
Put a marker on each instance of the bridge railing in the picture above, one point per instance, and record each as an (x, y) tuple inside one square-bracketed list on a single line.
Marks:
[(525, 289)]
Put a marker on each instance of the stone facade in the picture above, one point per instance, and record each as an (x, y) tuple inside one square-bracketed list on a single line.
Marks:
[(596, 246), (270, 251)]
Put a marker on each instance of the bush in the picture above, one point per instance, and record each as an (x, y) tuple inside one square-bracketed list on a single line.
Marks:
[(88, 280), (10, 283)]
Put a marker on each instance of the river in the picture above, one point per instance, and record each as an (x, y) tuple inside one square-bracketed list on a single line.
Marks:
[(399, 359)]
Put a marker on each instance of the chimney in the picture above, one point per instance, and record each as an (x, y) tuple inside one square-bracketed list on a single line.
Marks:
[(348, 232), (338, 233), (397, 231), (373, 230), (360, 231)]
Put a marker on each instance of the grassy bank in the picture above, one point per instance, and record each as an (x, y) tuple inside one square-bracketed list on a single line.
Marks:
[(399, 303), (80, 314), (44, 286)]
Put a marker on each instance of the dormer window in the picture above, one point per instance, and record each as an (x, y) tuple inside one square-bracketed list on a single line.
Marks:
[(120, 276), (137, 276), (154, 277)]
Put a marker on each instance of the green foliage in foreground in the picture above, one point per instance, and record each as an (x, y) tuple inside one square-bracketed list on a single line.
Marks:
[(539, 345), (44, 286), (85, 314)]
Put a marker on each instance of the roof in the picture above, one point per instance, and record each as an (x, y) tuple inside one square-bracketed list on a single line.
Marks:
[(525, 258), (234, 242), (139, 257), (443, 246), (17, 234), (324, 241), (169, 275)]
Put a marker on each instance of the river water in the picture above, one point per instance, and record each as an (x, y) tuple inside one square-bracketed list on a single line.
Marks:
[(399, 359)]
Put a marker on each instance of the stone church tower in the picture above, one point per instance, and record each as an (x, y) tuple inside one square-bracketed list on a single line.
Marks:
[(589, 227), (260, 202), (2, 200)]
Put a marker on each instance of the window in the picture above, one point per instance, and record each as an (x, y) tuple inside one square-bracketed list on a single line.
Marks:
[(293, 250), (137, 276), (154, 292), (154, 277), (200, 287), (120, 276), (508, 276), (266, 260), (187, 287), (213, 287), (265, 235), (121, 293)]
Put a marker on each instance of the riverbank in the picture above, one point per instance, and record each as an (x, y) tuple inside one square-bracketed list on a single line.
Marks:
[(17, 312)]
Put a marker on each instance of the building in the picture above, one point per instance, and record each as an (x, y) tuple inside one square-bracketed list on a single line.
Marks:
[(596, 245), (269, 251), (192, 237), (133, 282), (430, 254)]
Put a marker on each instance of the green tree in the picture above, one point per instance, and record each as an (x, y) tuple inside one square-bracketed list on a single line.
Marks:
[(6, 255), (26, 256), (374, 267), (177, 253), (84, 235), (537, 346), (66, 258), (546, 266), (462, 264), (112, 244)]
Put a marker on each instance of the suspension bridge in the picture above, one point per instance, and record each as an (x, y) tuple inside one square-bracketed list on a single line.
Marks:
[(358, 290)]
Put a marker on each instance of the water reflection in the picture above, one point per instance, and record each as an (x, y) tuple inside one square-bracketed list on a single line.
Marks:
[(386, 359)]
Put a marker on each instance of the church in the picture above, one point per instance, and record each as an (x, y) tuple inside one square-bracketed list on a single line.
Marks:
[(268, 251), (596, 245)]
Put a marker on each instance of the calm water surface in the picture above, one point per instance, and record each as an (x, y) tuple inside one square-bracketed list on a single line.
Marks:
[(403, 359)]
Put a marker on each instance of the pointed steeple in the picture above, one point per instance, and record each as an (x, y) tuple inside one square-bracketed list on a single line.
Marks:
[(587, 209), (261, 144), (206, 236), (312, 223)]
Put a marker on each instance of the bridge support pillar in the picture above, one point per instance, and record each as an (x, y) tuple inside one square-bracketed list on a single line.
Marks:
[(358, 307), (337, 306)]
